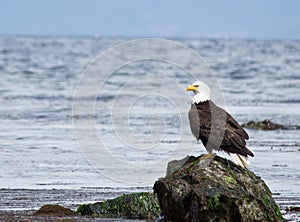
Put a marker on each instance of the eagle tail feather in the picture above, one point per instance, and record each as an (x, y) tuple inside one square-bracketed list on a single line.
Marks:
[(240, 160)]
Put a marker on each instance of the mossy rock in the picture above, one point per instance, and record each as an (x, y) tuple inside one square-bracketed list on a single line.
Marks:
[(142, 205), (54, 210), (215, 190)]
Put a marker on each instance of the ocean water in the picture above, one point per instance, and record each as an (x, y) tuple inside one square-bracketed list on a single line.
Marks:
[(42, 140)]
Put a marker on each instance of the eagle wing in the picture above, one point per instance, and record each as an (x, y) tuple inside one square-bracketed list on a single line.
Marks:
[(227, 133)]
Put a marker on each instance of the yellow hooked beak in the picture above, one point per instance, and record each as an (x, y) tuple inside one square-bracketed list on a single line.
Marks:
[(191, 88)]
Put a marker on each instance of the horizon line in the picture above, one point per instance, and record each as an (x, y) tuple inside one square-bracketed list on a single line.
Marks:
[(98, 36)]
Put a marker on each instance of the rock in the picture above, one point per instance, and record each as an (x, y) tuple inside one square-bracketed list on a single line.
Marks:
[(132, 206), (54, 210), (293, 209), (263, 125), (215, 190), (175, 165)]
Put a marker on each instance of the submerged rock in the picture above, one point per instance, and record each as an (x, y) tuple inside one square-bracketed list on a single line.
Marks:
[(54, 210), (133, 206), (263, 125), (215, 190)]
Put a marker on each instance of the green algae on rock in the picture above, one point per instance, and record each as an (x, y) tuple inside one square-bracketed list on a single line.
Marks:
[(215, 190), (142, 205)]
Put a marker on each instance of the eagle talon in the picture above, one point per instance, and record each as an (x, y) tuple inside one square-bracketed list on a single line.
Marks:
[(207, 156)]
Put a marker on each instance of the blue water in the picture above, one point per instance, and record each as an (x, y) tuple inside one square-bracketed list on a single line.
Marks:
[(39, 149)]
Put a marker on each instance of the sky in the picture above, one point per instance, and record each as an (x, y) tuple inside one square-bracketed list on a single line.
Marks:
[(152, 18)]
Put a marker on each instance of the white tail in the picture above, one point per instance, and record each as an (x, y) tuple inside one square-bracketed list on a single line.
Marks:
[(240, 160)]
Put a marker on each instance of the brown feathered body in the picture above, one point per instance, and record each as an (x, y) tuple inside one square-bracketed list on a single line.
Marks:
[(217, 129)]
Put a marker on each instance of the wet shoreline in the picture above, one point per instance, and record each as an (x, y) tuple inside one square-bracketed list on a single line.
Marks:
[(16, 204)]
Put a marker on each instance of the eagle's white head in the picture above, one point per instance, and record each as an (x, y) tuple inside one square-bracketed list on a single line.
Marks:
[(201, 90)]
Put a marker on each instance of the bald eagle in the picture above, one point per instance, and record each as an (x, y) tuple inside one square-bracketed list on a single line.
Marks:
[(216, 128)]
